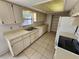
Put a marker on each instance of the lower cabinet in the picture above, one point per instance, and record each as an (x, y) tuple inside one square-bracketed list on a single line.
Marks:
[(27, 41), (17, 48), (34, 36), (18, 44), (42, 30)]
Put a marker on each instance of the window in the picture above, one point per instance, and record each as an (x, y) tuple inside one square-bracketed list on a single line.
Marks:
[(35, 17), (27, 16)]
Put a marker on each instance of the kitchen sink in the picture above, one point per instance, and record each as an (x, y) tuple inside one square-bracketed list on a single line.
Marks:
[(30, 28)]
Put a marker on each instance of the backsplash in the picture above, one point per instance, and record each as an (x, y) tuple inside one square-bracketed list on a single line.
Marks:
[(5, 28)]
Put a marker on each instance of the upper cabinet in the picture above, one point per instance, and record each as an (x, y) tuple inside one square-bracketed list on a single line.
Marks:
[(17, 13), (6, 14), (41, 17), (76, 21), (75, 10), (9, 13)]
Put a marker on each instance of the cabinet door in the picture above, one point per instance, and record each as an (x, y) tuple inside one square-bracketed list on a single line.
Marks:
[(17, 13), (26, 41), (17, 48), (39, 17), (75, 10), (34, 36), (6, 14)]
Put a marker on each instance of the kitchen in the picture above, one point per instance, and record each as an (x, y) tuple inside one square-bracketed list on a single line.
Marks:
[(23, 28)]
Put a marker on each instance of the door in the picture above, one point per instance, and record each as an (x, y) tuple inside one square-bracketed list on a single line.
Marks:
[(54, 26)]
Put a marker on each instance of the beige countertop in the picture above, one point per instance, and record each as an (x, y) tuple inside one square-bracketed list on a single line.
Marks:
[(64, 54), (69, 35), (14, 34)]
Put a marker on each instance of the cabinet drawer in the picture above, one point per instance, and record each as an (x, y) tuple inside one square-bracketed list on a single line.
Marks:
[(34, 37), (34, 31), (26, 35), (16, 40), (17, 48), (26, 42)]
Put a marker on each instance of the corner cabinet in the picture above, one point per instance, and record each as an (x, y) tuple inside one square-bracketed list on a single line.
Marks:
[(10, 13)]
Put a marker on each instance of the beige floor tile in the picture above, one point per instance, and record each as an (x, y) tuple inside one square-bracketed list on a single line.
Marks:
[(43, 57), (29, 52), (5, 56), (20, 56), (36, 56)]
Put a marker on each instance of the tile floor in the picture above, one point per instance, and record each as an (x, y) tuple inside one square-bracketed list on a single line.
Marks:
[(41, 49)]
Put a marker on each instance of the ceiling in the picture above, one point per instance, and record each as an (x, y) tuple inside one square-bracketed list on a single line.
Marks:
[(47, 6), (52, 6), (29, 2)]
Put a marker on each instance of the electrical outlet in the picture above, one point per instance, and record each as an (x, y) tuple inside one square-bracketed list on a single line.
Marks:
[(11, 28)]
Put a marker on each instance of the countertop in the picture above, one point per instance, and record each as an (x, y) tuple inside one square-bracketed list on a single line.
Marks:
[(13, 34)]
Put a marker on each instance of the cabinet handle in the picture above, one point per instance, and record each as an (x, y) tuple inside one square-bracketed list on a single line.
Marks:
[(2, 22), (15, 21)]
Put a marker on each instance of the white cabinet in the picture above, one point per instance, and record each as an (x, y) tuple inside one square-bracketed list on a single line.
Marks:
[(27, 41), (6, 14), (17, 13), (18, 47), (22, 39), (41, 17), (76, 21), (34, 36), (18, 44), (42, 29), (10, 13), (75, 10)]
